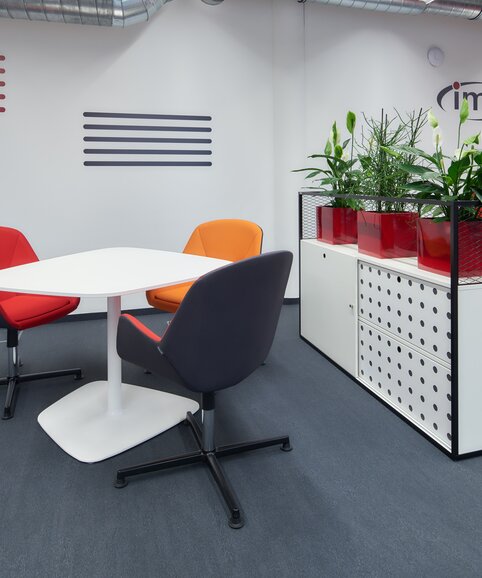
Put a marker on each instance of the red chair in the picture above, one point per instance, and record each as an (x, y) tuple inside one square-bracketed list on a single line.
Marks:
[(19, 311)]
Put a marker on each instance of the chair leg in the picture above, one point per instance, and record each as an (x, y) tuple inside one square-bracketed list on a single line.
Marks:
[(283, 441), (235, 520), (164, 464), (9, 408), (14, 378), (76, 372), (195, 429)]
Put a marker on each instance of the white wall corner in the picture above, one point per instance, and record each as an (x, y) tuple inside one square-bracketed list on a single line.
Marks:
[(289, 125)]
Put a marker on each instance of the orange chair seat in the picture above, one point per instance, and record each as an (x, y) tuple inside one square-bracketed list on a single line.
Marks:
[(228, 239), (168, 298), (23, 311)]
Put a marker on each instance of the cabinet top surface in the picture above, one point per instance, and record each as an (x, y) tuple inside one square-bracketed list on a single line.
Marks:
[(407, 265)]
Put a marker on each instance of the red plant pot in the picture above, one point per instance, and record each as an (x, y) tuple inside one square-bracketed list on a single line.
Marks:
[(387, 235), (336, 225), (433, 242)]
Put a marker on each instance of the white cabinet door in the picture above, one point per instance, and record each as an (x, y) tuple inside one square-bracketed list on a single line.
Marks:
[(328, 302)]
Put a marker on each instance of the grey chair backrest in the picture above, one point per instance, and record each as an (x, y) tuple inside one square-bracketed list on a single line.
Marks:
[(226, 324)]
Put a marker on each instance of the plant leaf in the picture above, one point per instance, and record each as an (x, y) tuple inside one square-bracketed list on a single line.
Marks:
[(328, 149), (350, 121), (472, 139), (313, 174), (464, 111), (335, 137), (423, 172)]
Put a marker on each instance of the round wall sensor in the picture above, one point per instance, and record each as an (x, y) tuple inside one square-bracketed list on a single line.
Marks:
[(436, 56)]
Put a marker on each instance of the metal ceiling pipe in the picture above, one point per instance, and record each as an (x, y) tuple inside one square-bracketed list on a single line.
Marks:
[(471, 10), (118, 13)]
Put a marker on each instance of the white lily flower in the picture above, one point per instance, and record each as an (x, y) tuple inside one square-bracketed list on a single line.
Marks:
[(437, 138), (432, 121)]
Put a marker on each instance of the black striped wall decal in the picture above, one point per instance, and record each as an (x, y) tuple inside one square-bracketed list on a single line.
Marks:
[(145, 164), (145, 116), (146, 139), (144, 152), (105, 132), (146, 127)]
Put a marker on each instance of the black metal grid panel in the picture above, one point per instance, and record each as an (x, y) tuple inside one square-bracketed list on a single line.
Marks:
[(467, 251), (309, 202)]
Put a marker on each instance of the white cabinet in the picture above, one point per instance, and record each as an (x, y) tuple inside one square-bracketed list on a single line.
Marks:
[(329, 305), (389, 325)]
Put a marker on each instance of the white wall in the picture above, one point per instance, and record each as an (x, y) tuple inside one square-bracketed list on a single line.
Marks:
[(273, 74), (363, 61), (191, 59)]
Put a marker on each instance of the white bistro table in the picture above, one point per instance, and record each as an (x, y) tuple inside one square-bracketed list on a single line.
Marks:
[(104, 418)]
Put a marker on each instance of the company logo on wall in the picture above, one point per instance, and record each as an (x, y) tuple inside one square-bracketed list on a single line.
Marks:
[(2, 82), (450, 97), (121, 139)]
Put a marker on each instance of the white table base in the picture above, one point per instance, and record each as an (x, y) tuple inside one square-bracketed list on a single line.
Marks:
[(80, 424)]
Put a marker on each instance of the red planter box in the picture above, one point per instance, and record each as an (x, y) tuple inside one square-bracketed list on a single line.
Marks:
[(387, 235), (336, 225), (433, 241)]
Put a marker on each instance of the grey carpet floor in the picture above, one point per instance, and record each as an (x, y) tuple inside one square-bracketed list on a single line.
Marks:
[(362, 494)]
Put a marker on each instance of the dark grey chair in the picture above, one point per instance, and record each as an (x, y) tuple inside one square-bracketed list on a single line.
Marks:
[(222, 332)]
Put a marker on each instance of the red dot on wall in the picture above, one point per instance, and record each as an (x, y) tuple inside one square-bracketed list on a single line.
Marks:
[(2, 70), (2, 57), (2, 83), (2, 97), (2, 109)]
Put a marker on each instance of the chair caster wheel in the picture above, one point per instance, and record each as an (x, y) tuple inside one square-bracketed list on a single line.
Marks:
[(236, 523), (286, 447), (78, 377), (120, 483)]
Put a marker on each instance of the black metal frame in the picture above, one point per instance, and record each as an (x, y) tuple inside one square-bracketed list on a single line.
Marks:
[(455, 207), (14, 378), (209, 455)]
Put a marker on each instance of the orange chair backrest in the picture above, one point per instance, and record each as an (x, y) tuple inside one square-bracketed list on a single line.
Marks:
[(230, 239), (14, 250)]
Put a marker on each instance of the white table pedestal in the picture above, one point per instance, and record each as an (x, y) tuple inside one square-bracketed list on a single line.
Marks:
[(80, 425), (104, 418)]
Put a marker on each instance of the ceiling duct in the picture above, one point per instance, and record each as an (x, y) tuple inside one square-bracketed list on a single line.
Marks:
[(95, 12), (464, 9)]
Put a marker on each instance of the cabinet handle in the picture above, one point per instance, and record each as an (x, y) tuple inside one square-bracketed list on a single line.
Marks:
[(351, 306)]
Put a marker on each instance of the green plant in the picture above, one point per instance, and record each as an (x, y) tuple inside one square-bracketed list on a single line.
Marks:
[(444, 178), (339, 177), (383, 173)]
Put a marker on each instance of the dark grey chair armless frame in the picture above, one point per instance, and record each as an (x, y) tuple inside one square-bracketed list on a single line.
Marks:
[(222, 333)]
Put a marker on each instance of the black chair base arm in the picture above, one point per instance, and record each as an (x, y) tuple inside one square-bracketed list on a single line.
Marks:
[(12, 383), (210, 458)]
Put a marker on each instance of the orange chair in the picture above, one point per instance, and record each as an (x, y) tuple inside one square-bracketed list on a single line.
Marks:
[(229, 239)]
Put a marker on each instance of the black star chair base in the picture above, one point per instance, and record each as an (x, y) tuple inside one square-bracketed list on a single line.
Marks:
[(222, 333)]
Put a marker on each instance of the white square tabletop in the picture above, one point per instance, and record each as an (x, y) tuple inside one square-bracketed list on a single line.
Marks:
[(106, 272)]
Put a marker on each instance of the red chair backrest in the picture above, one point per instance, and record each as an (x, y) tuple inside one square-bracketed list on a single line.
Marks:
[(14, 250)]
